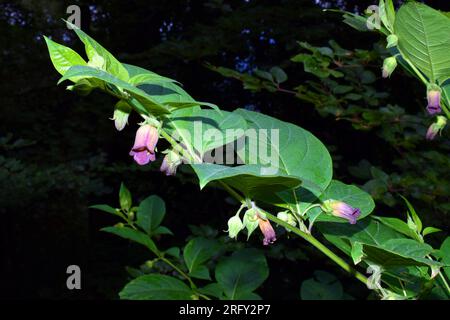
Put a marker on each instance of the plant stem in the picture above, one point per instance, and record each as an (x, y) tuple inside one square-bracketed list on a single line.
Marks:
[(181, 272), (316, 243)]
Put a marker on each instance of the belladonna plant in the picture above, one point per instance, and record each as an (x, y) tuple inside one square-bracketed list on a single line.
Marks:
[(305, 166)]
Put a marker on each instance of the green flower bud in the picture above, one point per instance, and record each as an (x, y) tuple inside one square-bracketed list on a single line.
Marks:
[(389, 66), (121, 113), (250, 221), (291, 220), (82, 87), (283, 216), (392, 41), (235, 225), (97, 62)]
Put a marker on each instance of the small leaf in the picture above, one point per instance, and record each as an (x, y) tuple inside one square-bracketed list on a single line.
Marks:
[(125, 197), (174, 252), (150, 213), (198, 251), (106, 208), (357, 252), (414, 215), (430, 230), (278, 74), (63, 57), (133, 235)]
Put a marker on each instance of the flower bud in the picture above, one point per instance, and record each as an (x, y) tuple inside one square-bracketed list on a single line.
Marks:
[(143, 150), (434, 99), (389, 66), (342, 210), (283, 216), (235, 225), (392, 41), (250, 221), (170, 163), (436, 127), (121, 112)]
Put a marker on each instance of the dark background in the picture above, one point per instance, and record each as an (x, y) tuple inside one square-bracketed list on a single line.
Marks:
[(60, 153)]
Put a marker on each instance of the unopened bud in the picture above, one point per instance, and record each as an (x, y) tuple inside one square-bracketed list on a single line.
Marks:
[(235, 225), (389, 66), (392, 41)]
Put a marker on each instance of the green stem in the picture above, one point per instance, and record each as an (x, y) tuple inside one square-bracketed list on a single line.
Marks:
[(181, 272), (316, 243), (413, 67)]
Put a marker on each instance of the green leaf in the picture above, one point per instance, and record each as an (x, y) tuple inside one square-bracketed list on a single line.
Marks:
[(430, 230), (414, 215), (150, 214), (357, 252), (278, 74), (106, 208), (296, 152), (133, 235), (423, 38), (204, 130), (93, 49), (156, 287), (213, 289), (324, 286), (125, 197), (242, 273), (198, 251), (445, 254), (63, 57), (397, 225), (381, 244), (200, 272), (251, 180), (149, 104)]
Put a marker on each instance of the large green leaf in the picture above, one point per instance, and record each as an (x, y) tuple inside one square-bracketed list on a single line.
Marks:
[(150, 104), (198, 251), (156, 287), (63, 57), (381, 244), (242, 273), (202, 130), (424, 37), (251, 180), (150, 213), (94, 49), (297, 152)]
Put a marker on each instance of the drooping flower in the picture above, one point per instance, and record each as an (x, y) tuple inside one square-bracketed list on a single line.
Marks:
[(235, 226), (267, 230), (143, 150), (434, 99), (121, 113), (170, 163), (389, 65), (436, 127), (342, 210)]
